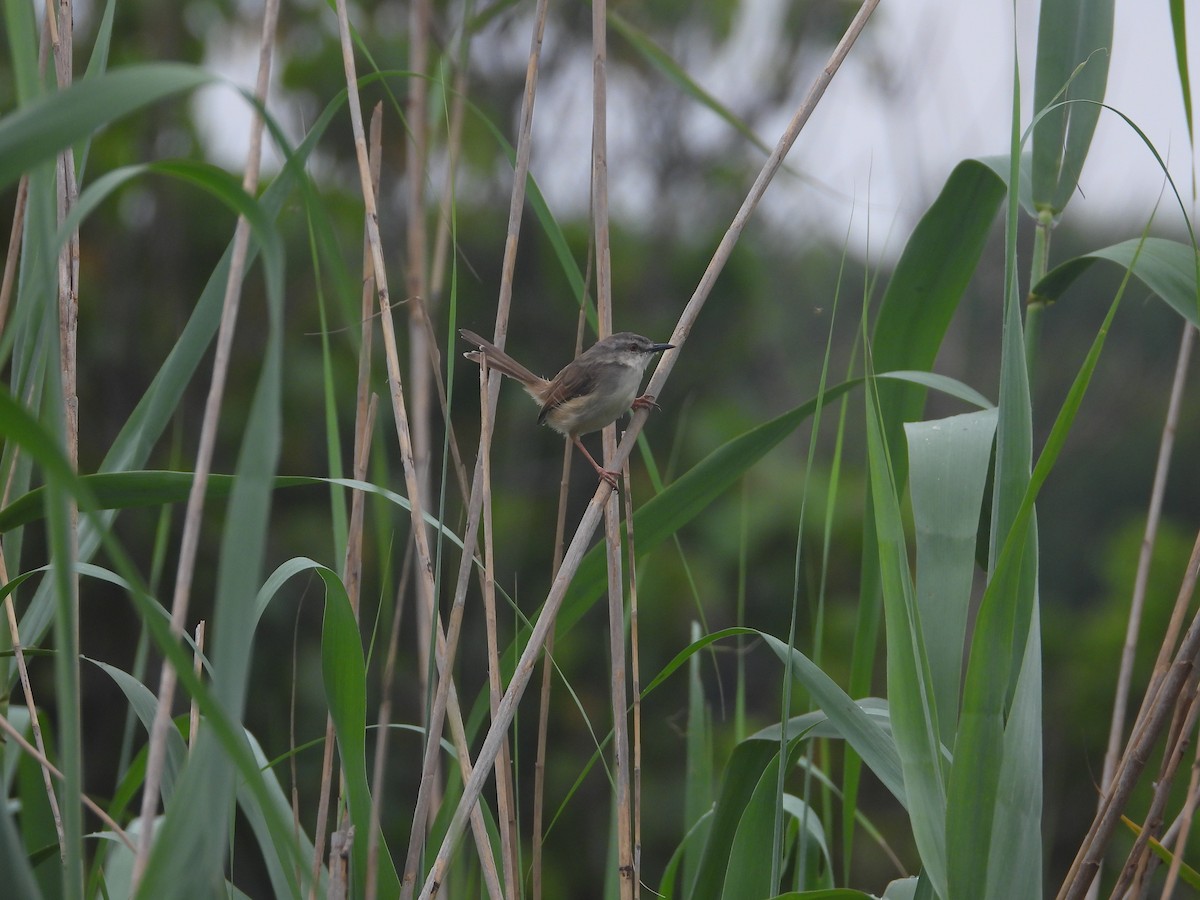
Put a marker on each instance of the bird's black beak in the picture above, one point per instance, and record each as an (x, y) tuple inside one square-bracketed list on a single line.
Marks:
[(659, 348)]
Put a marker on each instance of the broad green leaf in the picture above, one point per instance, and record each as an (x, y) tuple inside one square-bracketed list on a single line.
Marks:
[(1166, 267), (1000, 635), (252, 806), (143, 702), (742, 775), (870, 741), (910, 689), (747, 877), (344, 670), (922, 295), (39, 130), (1017, 830), (664, 514), (925, 289), (159, 404), (1074, 47), (21, 429), (948, 470)]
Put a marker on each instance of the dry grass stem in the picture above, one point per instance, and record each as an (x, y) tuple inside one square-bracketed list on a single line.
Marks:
[(591, 516), (1157, 707), (1182, 827), (1146, 554), (18, 651), (424, 568), (189, 543), (363, 411), (67, 188), (505, 794), (635, 685), (612, 509), (1140, 863), (40, 758), (14, 248), (560, 528)]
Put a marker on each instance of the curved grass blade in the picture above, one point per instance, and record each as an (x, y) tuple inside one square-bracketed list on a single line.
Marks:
[(44, 127), (1167, 267)]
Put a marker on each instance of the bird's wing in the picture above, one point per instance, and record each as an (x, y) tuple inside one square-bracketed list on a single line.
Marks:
[(571, 382)]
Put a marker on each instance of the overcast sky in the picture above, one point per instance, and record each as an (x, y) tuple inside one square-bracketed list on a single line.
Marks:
[(929, 85)]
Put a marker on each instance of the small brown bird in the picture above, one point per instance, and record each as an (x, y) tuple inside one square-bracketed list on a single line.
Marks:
[(590, 392)]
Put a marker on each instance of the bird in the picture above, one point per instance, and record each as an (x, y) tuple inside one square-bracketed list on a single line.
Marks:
[(591, 391)]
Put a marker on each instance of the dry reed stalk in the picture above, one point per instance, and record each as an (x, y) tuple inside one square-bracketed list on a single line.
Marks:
[(1184, 823), (560, 528), (424, 570), (63, 44), (14, 246), (1145, 555), (635, 687), (43, 761), (18, 650), (417, 140), (1156, 708), (612, 508), (190, 540), (363, 425), (505, 795), (1140, 862), (591, 516), (447, 646)]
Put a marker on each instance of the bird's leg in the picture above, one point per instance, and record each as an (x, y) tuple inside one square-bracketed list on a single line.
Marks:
[(644, 402), (610, 477)]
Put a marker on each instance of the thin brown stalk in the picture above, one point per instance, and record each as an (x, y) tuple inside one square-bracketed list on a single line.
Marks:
[(417, 136), (424, 568), (190, 541), (1156, 710), (591, 516), (636, 684), (18, 650), (446, 692), (1182, 827), (1136, 870), (14, 247), (44, 763), (543, 730), (364, 411), (612, 509), (443, 234), (505, 796), (1146, 554), (67, 188)]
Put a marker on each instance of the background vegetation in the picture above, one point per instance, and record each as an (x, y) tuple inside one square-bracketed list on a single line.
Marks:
[(797, 545)]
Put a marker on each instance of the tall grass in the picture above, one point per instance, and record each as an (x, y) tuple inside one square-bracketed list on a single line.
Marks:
[(414, 752)]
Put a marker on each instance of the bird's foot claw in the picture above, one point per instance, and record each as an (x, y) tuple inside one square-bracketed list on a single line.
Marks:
[(645, 402)]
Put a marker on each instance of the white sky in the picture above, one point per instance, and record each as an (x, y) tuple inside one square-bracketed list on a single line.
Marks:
[(932, 87)]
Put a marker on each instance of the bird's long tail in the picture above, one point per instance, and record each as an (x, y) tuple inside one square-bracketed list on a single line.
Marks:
[(502, 362)]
